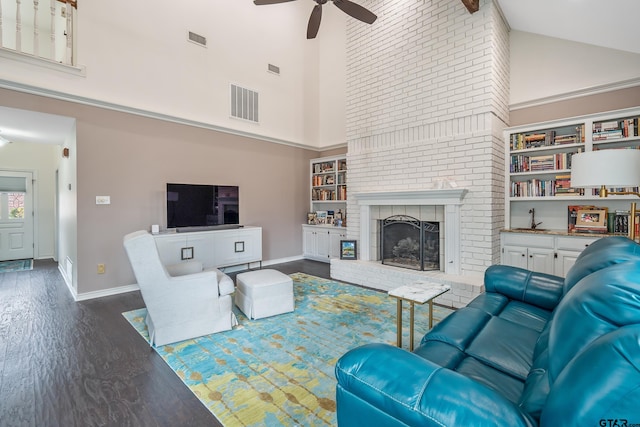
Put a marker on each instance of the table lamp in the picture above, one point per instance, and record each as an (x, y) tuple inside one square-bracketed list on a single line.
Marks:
[(614, 168)]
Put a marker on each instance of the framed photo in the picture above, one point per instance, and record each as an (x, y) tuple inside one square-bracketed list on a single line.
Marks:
[(592, 218), (321, 217), (311, 218), (348, 249)]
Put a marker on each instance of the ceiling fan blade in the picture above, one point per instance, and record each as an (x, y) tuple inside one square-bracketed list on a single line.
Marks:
[(264, 2), (355, 11), (314, 22)]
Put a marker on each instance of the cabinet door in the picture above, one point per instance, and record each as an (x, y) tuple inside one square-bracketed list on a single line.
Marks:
[(515, 256), (202, 245), (541, 260), (309, 242), (334, 242), (323, 244), (238, 247), (565, 261)]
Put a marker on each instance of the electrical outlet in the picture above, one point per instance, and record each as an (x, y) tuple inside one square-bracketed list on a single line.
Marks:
[(100, 268), (103, 200)]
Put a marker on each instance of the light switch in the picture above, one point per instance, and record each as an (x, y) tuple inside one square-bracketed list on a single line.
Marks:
[(103, 200)]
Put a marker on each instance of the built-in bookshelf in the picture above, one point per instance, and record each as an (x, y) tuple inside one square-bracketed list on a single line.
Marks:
[(538, 164), (329, 184)]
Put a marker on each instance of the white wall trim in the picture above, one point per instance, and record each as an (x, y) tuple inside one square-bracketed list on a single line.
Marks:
[(34, 90), (282, 260), (594, 90), (9, 54), (105, 292)]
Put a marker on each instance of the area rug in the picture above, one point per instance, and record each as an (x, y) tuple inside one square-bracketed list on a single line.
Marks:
[(16, 265), (279, 371)]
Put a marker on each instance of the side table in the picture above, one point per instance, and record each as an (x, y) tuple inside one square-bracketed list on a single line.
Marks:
[(417, 292)]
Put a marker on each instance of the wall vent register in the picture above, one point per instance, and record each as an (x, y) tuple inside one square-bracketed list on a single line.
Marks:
[(244, 104)]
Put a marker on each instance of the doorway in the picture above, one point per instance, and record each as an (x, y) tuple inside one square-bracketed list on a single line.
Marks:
[(16, 215)]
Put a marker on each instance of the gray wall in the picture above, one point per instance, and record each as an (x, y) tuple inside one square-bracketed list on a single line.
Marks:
[(131, 158)]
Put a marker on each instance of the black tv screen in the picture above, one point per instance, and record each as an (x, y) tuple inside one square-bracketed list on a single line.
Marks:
[(194, 205)]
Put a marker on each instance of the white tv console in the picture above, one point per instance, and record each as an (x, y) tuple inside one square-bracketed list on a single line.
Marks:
[(214, 248)]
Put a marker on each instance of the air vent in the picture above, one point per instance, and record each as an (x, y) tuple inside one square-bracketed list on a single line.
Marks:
[(197, 39), (274, 69), (244, 103)]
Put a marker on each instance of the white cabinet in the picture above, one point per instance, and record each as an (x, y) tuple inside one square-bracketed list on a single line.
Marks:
[(214, 248), (533, 252), (567, 250), (322, 243), (242, 246), (334, 241), (543, 253)]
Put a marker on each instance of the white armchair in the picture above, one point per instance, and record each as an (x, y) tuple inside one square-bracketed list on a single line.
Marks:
[(182, 300)]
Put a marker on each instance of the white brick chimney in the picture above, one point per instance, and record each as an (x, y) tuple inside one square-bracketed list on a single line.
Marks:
[(427, 99)]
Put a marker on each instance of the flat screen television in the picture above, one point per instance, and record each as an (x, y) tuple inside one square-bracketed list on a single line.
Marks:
[(199, 206)]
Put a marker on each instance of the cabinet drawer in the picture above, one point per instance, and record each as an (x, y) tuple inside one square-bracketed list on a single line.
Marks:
[(527, 240), (574, 243)]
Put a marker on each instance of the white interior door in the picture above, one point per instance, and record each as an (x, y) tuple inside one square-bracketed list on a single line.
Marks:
[(16, 215)]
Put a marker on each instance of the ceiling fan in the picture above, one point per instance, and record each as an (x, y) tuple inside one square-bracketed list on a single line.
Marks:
[(348, 7)]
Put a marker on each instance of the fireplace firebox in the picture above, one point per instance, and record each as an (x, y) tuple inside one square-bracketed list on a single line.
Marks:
[(410, 243)]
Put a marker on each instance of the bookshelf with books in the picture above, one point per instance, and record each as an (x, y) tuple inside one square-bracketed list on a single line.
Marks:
[(329, 184), (326, 220), (538, 165)]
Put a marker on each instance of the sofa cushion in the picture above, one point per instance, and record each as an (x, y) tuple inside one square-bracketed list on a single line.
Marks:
[(601, 383), (505, 346), (539, 289), (601, 254), (506, 385), (536, 387), (458, 331), (600, 303)]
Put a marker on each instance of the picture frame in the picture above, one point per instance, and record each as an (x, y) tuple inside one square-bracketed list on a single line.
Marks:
[(311, 218), (321, 217), (348, 249), (592, 218)]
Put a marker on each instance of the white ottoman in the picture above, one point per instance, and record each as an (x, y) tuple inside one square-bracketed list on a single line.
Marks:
[(264, 293)]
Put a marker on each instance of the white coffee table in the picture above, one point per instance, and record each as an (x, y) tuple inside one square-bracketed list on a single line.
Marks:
[(418, 292)]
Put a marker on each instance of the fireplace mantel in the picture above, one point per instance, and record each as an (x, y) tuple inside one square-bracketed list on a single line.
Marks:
[(450, 198)]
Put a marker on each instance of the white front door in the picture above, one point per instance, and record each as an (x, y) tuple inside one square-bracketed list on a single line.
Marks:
[(16, 215)]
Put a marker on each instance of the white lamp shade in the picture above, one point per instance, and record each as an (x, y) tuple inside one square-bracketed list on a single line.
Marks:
[(611, 168)]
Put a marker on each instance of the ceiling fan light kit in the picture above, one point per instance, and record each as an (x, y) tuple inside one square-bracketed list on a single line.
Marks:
[(350, 8)]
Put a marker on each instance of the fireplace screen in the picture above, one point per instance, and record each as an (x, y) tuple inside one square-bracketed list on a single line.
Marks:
[(410, 243)]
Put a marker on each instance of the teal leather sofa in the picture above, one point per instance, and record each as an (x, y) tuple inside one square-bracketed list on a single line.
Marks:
[(533, 350)]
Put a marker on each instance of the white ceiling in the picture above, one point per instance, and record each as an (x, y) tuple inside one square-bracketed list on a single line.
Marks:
[(29, 126), (613, 24)]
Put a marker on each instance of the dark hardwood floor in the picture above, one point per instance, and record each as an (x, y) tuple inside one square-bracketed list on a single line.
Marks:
[(66, 363)]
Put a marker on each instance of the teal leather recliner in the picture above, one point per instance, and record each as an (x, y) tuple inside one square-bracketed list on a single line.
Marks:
[(533, 350)]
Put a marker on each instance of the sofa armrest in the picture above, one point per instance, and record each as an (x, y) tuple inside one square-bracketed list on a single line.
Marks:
[(381, 384), (539, 289)]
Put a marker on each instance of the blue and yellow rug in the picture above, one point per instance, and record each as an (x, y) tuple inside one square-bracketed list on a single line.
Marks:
[(279, 371), (16, 265)]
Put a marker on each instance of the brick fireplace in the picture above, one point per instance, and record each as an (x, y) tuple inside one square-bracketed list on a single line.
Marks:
[(443, 206), (427, 106)]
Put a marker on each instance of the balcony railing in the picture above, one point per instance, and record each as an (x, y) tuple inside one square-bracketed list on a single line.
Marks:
[(40, 28)]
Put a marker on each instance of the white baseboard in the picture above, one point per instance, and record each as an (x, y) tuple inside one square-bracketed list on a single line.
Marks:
[(282, 260), (106, 292)]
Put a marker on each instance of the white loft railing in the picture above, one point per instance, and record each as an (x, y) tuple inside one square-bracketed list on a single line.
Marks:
[(41, 28)]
